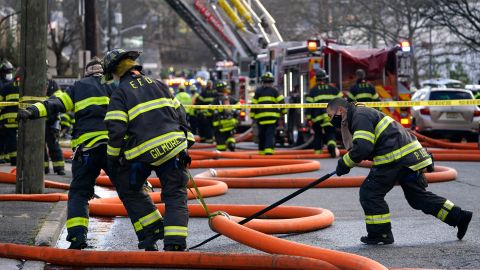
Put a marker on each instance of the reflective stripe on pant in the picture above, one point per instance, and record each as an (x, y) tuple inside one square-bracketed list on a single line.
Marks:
[(54, 150), (222, 138), (381, 180), (3, 154), (322, 135), (85, 170), (266, 138)]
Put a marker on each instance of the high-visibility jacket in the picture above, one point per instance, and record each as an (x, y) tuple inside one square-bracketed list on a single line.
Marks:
[(321, 93), (206, 98), (88, 99), (477, 95), (145, 122), (267, 95), (185, 99), (362, 91), (379, 138), (225, 119), (8, 114)]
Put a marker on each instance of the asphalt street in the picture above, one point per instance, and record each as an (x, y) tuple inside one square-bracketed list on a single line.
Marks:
[(421, 241)]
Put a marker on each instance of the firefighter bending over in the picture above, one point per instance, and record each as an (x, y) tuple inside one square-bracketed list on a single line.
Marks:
[(267, 118), (324, 131), (224, 120), (147, 131), (397, 158)]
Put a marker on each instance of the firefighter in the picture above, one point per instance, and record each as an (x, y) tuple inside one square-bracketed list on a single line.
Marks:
[(193, 119), (67, 121), (8, 118), (224, 120), (397, 157), (267, 118), (148, 131), (6, 77), (185, 99), (324, 131), (88, 98), (52, 134), (362, 91), (204, 116)]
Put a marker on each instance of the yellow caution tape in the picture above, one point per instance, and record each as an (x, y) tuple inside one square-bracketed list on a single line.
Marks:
[(432, 103)]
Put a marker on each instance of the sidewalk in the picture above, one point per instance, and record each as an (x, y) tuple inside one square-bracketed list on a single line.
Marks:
[(31, 223)]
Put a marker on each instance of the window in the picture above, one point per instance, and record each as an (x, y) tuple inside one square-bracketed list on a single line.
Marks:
[(448, 95)]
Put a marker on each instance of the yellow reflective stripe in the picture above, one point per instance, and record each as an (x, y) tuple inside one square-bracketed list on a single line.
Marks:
[(397, 154), (363, 134), (66, 100), (309, 99), (88, 136), (11, 125), (280, 98), (348, 161), (382, 125), (326, 124), (8, 115), (42, 110), (448, 205), (77, 221), (445, 210), (377, 219), (254, 101), (117, 115), (151, 105), (351, 96), (152, 143), (267, 114), (190, 136), (12, 96), (421, 165), (12, 154), (267, 122), (113, 151), (58, 164), (267, 99), (324, 97), (150, 218), (268, 151), (172, 154), (375, 97), (58, 92), (231, 139), (80, 105), (137, 226), (221, 147), (332, 142), (176, 103), (94, 141), (176, 231)]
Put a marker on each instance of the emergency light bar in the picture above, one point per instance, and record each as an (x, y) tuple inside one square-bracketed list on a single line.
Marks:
[(405, 46)]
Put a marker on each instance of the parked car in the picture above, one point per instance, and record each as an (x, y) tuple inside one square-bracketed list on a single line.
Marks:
[(442, 83), (453, 122)]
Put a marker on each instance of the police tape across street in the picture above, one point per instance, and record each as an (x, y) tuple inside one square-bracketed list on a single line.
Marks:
[(381, 104)]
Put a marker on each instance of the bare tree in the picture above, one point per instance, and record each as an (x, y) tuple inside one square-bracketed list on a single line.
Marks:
[(461, 17)]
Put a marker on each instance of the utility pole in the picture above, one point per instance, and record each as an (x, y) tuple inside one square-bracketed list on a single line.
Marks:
[(33, 79), (91, 28)]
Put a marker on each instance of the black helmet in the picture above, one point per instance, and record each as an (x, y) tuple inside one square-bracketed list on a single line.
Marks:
[(222, 87), (360, 73), (321, 75), (6, 67), (113, 57), (268, 77)]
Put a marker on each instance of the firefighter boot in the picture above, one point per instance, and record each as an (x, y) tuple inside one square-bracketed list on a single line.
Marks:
[(332, 150), (462, 225), (59, 171), (78, 242), (381, 239), (231, 146), (174, 248), (154, 233)]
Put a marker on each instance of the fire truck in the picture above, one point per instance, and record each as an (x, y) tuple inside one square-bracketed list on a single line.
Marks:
[(295, 64)]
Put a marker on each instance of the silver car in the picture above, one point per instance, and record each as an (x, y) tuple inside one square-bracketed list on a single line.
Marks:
[(454, 122)]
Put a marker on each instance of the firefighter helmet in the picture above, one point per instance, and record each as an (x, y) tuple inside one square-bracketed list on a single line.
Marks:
[(360, 74), (6, 67), (321, 75), (222, 87), (268, 77), (113, 58)]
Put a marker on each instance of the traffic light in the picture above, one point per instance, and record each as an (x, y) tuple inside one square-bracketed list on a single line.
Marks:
[(313, 44)]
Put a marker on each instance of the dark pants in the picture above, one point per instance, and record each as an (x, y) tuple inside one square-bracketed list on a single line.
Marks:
[(54, 150), (325, 134), (266, 138), (86, 167), (194, 124), (381, 180), (3, 145), (11, 145), (222, 139), (129, 180), (205, 129)]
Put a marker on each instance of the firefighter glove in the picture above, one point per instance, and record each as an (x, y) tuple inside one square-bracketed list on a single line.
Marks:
[(24, 115), (184, 159), (342, 168)]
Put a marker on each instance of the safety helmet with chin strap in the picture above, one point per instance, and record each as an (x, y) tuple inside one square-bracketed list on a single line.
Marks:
[(113, 58)]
